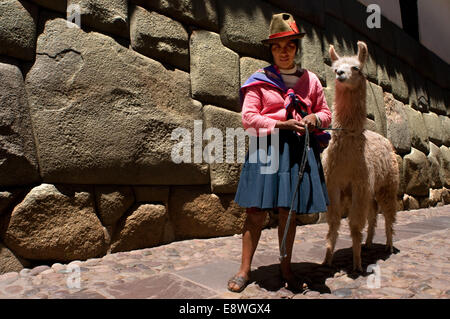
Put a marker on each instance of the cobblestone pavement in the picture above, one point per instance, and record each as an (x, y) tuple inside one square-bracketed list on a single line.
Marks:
[(200, 268)]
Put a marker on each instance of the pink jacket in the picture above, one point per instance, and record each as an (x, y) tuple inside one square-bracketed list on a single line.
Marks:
[(263, 104)]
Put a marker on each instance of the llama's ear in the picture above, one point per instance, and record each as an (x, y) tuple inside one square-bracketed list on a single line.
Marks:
[(333, 55), (362, 52)]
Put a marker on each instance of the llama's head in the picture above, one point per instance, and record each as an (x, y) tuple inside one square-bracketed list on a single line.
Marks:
[(348, 69)]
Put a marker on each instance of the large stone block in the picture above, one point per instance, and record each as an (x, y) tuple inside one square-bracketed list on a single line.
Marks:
[(242, 30), (310, 51), (418, 130), (18, 163), (227, 154), (202, 13), (445, 124), (399, 80), (8, 198), (109, 16), (55, 223), (143, 228), (248, 66), (214, 71), (18, 21), (397, 124), (112, 202), (106, 115), (57, 5), (329, 90), (435, 159), (10, 262), (340, 36), (445, 166), (433, 124), (384, 70), (375, 107), (416, 172), (312, 11), (159, 37), (419, 93), (437, 102), (196, 213)]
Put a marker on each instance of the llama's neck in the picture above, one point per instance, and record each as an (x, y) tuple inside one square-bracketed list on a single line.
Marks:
[(350, 107)]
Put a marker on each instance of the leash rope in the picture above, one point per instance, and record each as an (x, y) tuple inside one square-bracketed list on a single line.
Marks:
[(300, 176)]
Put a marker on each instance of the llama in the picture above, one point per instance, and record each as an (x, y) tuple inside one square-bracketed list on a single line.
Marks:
[(360, 166)]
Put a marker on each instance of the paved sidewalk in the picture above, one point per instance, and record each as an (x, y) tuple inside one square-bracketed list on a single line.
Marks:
[(420, 268)]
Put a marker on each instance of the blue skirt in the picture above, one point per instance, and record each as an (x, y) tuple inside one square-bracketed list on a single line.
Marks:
[(264, 185)]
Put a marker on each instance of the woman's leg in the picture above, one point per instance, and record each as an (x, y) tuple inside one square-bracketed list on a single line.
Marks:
[(250, 237), (285, 265)]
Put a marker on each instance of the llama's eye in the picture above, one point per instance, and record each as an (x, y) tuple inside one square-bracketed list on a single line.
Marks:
[(355, 68)]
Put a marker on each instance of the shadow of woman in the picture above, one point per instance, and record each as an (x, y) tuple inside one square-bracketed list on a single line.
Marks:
[(269, 277)]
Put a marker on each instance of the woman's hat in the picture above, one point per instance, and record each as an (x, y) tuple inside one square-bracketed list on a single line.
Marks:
[(283, 26)]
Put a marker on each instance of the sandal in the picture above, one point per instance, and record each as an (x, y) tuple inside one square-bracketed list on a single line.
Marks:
[(240, 281)]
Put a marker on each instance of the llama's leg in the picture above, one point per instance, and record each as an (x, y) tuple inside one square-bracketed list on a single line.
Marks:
[(334, 221), (357, 220), (388, 207), (372, 220)]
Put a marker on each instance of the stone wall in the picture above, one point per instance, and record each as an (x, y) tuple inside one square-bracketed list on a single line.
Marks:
[(87, 116)]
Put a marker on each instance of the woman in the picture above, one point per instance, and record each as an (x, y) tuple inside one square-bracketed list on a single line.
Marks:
[(286, 98)]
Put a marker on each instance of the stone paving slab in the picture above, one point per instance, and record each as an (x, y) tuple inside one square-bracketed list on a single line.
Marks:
[(200, 268)]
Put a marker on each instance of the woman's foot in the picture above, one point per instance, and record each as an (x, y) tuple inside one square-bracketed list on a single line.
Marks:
[(238, 282)]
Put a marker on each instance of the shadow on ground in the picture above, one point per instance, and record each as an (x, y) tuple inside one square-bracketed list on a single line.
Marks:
[(269, 277)]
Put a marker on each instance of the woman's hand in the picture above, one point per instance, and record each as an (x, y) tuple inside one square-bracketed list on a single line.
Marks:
[(291, 124), (310, 120)]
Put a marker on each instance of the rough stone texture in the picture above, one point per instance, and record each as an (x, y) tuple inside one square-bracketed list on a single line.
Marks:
[(375, 107), (255, 21), (437, 103), (445, 166), (18, 29), (371, 125), (419, 92), (214, 71), (159, 37), (202, 13), (18, 164), (224, 175), (196, 213), (397, 124), (105, 115), (445, 124), (312, 11), (57, 5), (143, 228), (384, 70), (109, 16), (398, 80), (248, 66), (8, 198), (9, 262), (435, 159), (416, 172), (340, 36), (151, 194), (419, 133), (310, 50), (401, 186), (410, 203), (55, 223), (113, 202), (434, 127)]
